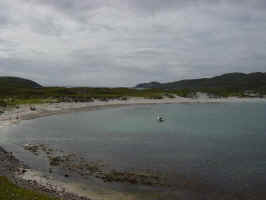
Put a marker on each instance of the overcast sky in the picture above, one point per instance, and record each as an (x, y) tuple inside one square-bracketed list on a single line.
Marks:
[(125, 42)]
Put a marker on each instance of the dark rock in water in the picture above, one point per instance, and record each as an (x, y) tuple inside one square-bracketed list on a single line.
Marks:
[(74, 163), (32, 148), (131, 177), (55, 161)]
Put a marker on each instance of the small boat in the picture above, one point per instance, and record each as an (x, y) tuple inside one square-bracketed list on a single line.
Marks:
[(159, 118)]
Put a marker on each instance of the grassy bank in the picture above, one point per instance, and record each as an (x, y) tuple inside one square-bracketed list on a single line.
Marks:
[(16, 96), (60, 94), (9, 191)]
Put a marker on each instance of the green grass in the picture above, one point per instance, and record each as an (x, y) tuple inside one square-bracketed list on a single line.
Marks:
[(9, 191), (50, 94), (13, 101), (16, 96), (15, 91), (30, 101)]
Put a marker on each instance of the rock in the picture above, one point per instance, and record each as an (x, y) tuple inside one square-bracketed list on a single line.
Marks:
[(32, 148), (130, 177), (55, 161), (32, 108)]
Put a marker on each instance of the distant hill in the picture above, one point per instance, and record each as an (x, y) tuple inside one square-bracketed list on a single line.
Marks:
[(239, 81), (15, 82)]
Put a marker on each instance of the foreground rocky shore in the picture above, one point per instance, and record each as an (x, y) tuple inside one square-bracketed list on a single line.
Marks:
[(22, 176), (75, 166), (13, 169)]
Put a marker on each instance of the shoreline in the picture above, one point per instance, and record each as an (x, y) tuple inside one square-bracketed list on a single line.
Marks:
[(13, 115), (43, 110)]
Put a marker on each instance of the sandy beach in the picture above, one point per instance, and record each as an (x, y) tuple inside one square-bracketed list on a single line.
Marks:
[(14, 115)]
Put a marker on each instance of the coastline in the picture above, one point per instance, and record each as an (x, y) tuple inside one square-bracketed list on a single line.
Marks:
[(42, 110), (13, 115)]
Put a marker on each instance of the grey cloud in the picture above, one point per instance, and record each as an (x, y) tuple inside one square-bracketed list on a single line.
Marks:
[(46, 26), (4, 15), (3, 20), (79, 6), (125, 42)]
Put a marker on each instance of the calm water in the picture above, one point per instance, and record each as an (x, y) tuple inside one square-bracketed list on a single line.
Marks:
[(219, 144)]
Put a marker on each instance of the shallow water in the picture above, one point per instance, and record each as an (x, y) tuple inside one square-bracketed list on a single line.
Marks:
[(223, 145)]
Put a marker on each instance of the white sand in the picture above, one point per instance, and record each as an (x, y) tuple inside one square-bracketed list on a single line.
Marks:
[(11, 116)]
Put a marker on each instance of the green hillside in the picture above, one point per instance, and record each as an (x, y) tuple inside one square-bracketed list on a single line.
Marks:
[(15, 82), (21, 91), (238, 81)]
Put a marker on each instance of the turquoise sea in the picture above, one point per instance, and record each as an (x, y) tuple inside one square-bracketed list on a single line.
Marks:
[(219, 145)]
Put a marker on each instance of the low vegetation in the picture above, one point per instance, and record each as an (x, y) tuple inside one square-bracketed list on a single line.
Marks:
[(232, 84), (9, 191), (15, 91), (17, 96)]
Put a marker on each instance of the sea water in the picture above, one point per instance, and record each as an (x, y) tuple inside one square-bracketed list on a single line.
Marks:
[(223, 145)]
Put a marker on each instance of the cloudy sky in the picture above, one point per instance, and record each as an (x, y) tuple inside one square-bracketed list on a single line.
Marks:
[(124, 42)]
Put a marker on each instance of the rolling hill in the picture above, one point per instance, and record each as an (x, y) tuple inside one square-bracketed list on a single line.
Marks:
[(240, 81), (15, 82)]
